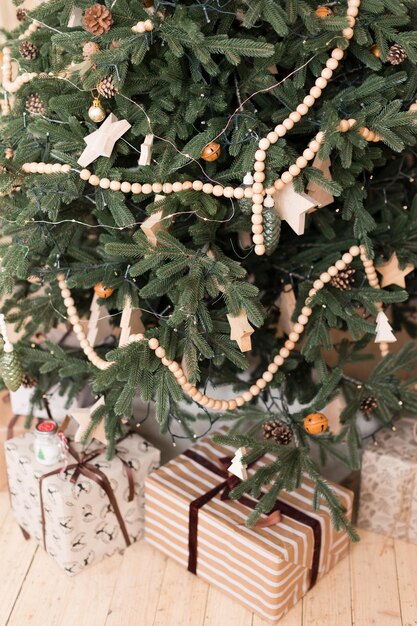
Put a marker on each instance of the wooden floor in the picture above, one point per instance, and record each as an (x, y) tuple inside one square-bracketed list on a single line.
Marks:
[(376, 584)]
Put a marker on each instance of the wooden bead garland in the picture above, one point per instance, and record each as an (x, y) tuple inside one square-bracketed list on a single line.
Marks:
[(265, 379)]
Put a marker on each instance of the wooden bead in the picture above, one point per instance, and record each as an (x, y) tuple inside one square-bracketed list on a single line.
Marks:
[(308, 154), (278, 359), (160, 352), (280, 130), (259, 166), (115, 185), (264, 144), (247, 396), (321, 82), (137, 188), (254, 390), (337, 54), (257, 188), (307, 311), (286, 177), (273, 137), (154, 343), (289, 344), (256, 219), (217, 190), (294, 170), (325, 277), (273, 368), (259, 177), (302, 319), (295, 116), (268, 376), (332, 270), (326, 73), (302, 109), (340, 264), (279, 184), (261, 383), (173, 366), (94, 180), (166, 188), (260, 155), (198, 185), (347, 258), (207, 188), (284, 352), (301, 162), (156, 187), (239, 401), (260, 250), (354, 250), (318, 284), (332, 64), (298, 328), (66, 168), (288, 123), (104, 183), (239, 193), (85, 174), (347, 33), (257, 229), (258, 239)]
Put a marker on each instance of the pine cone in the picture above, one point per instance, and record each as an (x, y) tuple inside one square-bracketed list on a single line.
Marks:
[(35, 105), (28, 50), (272, 230), (21, 15), (29, 381), (98, 19), (396, 54), (278, 431), (90, 48), (106, 87), (11, 370), (344, 280), (368, 405)]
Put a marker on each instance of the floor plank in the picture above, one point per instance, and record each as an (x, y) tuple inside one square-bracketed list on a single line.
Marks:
[(138, 587), (375, 598), (183, 598), (50, 597), (406, 557), (222, 610), (294, 617), (16, 556), (322, 606)]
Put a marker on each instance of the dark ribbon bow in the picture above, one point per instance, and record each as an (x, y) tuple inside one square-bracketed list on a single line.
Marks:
[(84, 467), (228, 483)]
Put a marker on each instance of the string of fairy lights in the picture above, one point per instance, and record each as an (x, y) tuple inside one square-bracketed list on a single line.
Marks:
[(261, 197)]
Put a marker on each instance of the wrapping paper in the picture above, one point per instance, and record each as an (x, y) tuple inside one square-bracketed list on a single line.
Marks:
[(9, 426), (388, 492), (266, 569), (80, 524)]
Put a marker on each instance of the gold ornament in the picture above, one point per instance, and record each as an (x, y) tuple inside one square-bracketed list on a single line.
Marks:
[(102, 292), (316, 423), (211, 152), (96, 113), (323, 11), (376, 51)]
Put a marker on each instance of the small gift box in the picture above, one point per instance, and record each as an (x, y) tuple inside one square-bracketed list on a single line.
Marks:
[(388, 492), (92, 509), (190, 517)]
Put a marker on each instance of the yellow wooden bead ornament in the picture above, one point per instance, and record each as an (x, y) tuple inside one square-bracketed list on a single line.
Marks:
[(101, 291), (323, 12), (316, 423), (211, 152), (376, 51)]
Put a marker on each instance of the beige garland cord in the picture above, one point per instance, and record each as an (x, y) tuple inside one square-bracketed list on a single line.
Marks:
[(174, 367)]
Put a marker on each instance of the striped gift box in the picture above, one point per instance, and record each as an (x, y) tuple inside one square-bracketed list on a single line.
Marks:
[(267, 569)]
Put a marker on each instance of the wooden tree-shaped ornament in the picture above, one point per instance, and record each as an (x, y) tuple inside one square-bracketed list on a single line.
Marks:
[(154, 223), (237, 468), (320, 195), (286, 304), (83, 418), (99, 327), (241, 331), (384, 332), (130, 322), (146, 151), (75, 17)]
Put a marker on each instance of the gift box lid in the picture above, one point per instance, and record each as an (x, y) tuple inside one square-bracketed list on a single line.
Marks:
[(399, 444), (294, 539)]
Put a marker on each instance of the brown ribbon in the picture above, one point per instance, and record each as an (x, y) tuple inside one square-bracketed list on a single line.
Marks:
[(84, 467), (228, 483)]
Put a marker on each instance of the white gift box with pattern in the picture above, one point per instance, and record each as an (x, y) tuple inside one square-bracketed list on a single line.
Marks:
[(91, 510), (388, 491)]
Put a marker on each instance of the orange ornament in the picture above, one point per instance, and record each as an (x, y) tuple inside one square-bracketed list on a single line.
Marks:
[(211, 152), (376, 51), (323, 11), (316, 423), (102, 292)]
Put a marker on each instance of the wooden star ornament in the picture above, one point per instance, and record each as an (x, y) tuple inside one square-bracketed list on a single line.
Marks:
[(292, 207), (391, 272), (83, 417), (241, 331), (101, 141)]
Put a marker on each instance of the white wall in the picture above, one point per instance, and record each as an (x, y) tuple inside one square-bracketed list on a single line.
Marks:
[(8, 12)]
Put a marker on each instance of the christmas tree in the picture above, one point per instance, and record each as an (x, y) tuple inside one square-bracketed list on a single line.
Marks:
[(186, 165)]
